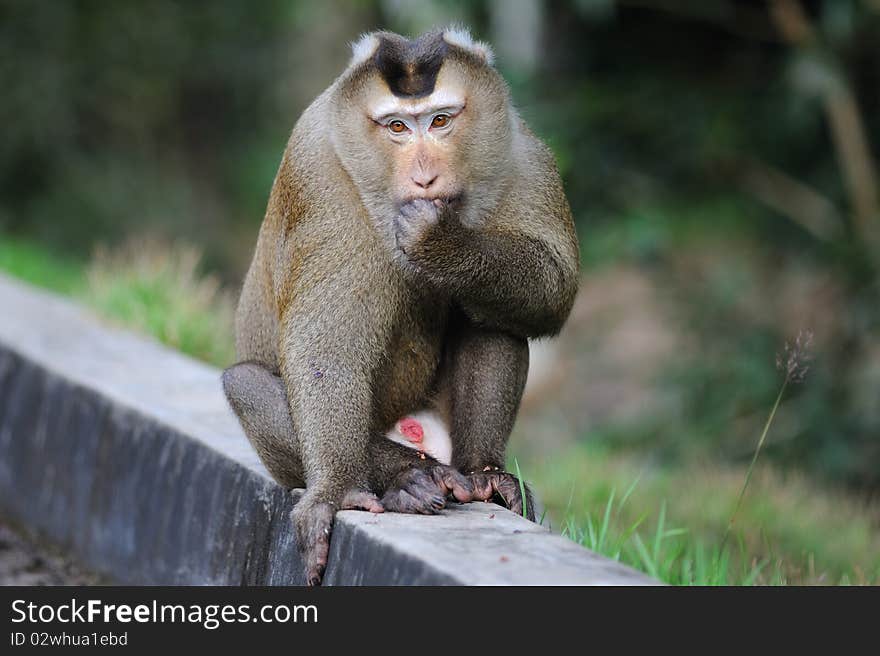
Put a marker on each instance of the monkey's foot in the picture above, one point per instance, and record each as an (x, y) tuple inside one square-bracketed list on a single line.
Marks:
[(424, 490), (356, 499), (313, 519), (493, 484)]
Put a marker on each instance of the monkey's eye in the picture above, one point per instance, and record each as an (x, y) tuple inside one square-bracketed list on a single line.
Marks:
[(397, 126), (441, 121)]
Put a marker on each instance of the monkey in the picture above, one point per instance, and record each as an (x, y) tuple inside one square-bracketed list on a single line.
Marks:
[(417, 234)]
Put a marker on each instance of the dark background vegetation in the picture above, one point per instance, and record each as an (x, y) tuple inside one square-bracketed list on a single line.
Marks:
[(719, 156)]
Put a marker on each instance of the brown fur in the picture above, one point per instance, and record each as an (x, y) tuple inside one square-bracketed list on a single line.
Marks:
[(369, 305)]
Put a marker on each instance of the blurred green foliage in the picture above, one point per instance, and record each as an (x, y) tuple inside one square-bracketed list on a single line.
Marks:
[(161, 290), (147, 285), (123, 117), (39, 266)]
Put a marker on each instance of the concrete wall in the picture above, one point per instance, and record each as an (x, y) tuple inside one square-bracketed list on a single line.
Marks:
[(125, 453)]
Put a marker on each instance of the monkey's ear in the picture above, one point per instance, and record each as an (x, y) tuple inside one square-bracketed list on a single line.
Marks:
[(456, 35), (364, 48)]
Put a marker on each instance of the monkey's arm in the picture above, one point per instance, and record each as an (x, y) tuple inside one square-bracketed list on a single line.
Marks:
[(502, 279)]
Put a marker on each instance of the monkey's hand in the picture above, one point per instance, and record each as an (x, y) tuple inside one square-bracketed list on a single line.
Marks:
[(313, 519), (493, 484), (416, 219), (424, 490)]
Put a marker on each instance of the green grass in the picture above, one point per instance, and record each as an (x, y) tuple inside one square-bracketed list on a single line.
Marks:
[(159, 289), (149, 286), (666, 553), (40, 267), (670, 521)]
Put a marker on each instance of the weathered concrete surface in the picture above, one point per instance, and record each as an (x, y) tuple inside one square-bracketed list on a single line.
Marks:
[(125, 453)]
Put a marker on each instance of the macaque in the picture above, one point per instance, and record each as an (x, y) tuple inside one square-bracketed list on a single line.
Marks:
[(417, 235)]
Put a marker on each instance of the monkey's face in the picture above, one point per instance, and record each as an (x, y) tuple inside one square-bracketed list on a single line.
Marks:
[(420, 141), (448, 143)]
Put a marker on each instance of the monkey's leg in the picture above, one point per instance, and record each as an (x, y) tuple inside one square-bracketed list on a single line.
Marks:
[(259, 399), (486, 377)]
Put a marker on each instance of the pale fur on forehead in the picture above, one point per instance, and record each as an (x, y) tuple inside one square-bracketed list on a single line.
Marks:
[(461, 37), (387, 105), (365, 47)]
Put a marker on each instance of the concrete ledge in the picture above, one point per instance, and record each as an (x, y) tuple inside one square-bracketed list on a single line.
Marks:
[(125, 453)]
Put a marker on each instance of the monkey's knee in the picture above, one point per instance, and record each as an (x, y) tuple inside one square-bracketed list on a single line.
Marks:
[(258, 398), (510, 347), (249, 386), (494, 354)]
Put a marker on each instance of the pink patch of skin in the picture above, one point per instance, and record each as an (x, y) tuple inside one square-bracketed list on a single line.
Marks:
[(411, 429), (426, 432)]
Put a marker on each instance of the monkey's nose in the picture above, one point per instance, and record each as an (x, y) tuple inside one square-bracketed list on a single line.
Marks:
[(424, 180)]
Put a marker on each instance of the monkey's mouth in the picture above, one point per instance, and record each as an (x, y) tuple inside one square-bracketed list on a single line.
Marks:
[(453, 201)]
